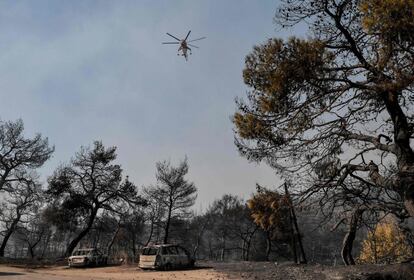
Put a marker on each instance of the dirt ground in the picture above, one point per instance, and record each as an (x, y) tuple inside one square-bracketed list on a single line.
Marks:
[(214, 271), (105, 273)]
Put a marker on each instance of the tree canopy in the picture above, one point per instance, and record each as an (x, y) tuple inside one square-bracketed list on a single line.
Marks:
[(269, 210), (20, 156), (89, 183), (335, 110), (173, 192), (385, 244)]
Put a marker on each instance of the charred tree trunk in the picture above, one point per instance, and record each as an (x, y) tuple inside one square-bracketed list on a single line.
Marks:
[(46, 243), (199, 236), (407, 184), (299, 239), (293, 246), (296, 232), (248, 243), (210, 250), (167, 226), (4, 242), (72, 245), (243, 249), (223, 249), (32, 246), (134, 246), (31, 252), (403, 150), (349, 238), (151, 232), (111, 243), (9, 232), (247, 253), (268, 245), (291, 227)]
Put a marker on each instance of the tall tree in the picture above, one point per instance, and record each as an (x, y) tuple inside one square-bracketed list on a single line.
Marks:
[(230, 223), (332, 101), (224, 213), (133, 224), (19, 202), (385, 244), (34, 232), (173, 191), (154, 213), (271, 211), (91, 182), (20, 155)]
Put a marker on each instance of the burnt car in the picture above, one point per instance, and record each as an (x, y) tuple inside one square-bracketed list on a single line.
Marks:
[(165, 257), (87, 257)]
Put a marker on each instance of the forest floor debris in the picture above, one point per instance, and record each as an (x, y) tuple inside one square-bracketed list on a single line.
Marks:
[(215, 271)]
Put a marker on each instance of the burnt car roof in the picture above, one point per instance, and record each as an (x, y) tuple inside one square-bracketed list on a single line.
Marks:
[(160, 245)]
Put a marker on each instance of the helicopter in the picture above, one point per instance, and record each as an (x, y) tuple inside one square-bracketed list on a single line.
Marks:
[(184, 44)]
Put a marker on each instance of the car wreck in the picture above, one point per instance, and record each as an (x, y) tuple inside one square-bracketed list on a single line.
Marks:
[(165, 257), (87, 257)]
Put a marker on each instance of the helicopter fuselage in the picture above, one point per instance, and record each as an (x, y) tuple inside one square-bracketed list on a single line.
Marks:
[(184, 44), (184, 48)]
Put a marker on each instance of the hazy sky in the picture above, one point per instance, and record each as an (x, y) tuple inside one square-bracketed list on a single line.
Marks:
[(79, 71)]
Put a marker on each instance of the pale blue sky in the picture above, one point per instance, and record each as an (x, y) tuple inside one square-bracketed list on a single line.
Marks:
[(79, 71)]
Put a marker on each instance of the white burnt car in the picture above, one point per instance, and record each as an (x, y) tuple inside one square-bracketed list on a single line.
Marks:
[(87, 257), (165, 257)]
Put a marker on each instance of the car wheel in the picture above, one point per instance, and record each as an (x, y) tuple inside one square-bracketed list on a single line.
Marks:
[(167, 266)]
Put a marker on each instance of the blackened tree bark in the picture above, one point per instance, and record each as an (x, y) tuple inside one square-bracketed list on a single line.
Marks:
[(114, 235), (223, 248), (204, 221), (8, 233), (297, 237), (269, 245), (46, 243), (72, 245), (293, 243), (33, 245), (169, 214), (247, 242), (349, 238)]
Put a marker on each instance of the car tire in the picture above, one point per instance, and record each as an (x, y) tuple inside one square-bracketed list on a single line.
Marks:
[(167, 266)]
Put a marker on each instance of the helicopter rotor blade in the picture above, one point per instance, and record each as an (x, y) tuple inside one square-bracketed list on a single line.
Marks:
[(197, 39), (193, 46), (175, 43), (173, 36), (188, 34)]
